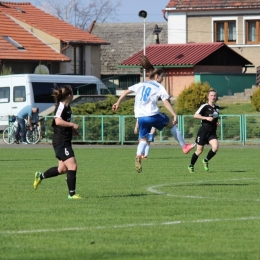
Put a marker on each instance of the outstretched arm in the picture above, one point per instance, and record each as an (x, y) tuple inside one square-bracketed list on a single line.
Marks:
[(116, 105)]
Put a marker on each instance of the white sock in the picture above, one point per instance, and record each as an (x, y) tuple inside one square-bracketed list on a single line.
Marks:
[(177, 135), (147, 149), (141, 148)]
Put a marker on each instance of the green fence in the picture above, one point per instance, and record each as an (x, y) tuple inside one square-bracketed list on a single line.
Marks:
[(113, 129)]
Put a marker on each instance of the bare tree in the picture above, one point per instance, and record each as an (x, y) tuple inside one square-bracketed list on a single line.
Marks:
[(81, 13)]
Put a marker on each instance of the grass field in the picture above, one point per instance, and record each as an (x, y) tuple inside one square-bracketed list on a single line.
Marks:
[(163, 213)]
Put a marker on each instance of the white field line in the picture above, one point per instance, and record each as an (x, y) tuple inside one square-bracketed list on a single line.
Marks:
[(156, 189), (177, 222)]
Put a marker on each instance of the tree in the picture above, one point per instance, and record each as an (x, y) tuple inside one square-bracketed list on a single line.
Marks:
[(192, 97), (81, 13), (256, 99)]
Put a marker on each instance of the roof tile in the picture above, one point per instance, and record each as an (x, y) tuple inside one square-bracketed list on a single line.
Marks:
[(125, 40), (34, 49), (217, 4), (48, 23), (177, 54)]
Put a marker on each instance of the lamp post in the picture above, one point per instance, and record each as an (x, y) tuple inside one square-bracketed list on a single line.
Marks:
[(143, 14)]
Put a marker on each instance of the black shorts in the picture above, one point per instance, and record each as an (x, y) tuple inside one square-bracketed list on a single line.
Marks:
[(63, 152), (204, 136)]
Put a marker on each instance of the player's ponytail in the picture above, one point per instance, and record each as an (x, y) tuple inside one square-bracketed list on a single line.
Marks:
[(147, 65), (61, 94)]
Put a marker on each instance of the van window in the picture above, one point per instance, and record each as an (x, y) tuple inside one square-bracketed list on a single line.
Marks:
[(19, 94), (86, 89), (104, 91), (4, 94), (43, 90)]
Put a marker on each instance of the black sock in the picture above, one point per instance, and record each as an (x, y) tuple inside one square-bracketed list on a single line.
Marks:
[(52, 172), (210, 155), (194, 158), (71, 182)]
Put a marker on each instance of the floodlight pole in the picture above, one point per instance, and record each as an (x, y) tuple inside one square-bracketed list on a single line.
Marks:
[(144, 72), (143, 14)]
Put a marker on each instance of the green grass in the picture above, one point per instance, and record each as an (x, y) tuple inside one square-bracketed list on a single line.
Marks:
[(163, 213), (238, 108), (226, 108)]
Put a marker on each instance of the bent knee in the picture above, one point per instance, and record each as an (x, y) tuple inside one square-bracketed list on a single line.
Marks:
[(62, 170)]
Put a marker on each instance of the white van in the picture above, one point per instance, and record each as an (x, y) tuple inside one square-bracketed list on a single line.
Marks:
[(17, 91)]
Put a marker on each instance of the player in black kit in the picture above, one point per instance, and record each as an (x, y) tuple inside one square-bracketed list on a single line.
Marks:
[(208, 114), (63, 130)]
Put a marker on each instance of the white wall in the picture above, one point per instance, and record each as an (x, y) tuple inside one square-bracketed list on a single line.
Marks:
[(177, 23)]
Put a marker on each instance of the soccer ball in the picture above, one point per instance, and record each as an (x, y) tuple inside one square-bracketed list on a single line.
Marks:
[(215, 115)]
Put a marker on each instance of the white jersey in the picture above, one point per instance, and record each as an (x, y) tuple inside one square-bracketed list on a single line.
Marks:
[(146, 96)]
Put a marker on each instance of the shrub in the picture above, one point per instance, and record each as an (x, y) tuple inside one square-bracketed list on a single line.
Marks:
[(256, 99), (104, 107), (6, 70), (192, 97)]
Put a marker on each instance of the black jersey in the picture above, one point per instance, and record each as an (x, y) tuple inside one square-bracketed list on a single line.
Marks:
[(62, 134), (209, 111)]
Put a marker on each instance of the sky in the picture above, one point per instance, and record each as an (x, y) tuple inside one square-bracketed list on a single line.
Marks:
[(129, 9)]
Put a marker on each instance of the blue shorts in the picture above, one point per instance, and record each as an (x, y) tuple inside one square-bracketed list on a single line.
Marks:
[(146, 123), (150, 137)]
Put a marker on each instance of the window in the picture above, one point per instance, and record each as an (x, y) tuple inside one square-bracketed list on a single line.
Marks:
[(43, 90), (19, 94), (253, 31), (4, 94), (14, 43), (225, 31)]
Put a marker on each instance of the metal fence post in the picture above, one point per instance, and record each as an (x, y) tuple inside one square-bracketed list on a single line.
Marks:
[(83, 128), (121, 129), (243, 129)]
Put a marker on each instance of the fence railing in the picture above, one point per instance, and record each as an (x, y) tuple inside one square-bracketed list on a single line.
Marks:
[(117, 129)]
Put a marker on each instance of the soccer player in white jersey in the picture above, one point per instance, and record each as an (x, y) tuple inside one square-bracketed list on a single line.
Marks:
[(208, 114), (147, 111)]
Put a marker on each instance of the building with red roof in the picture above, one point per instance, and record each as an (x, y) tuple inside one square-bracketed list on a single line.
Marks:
[(182, 62), (235, 23), (29, 37)]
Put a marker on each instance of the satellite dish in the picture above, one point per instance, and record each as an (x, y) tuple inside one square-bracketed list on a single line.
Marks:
[(41, 69)]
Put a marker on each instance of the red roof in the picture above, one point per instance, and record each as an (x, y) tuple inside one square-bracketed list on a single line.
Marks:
[(34, 48), (50, 24), (177, 54), (214, 4)]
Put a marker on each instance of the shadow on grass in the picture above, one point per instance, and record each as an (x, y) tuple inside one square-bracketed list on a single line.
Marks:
[(166, 158), (221, 184), (127, 195), (227, 171), (212, 184)]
